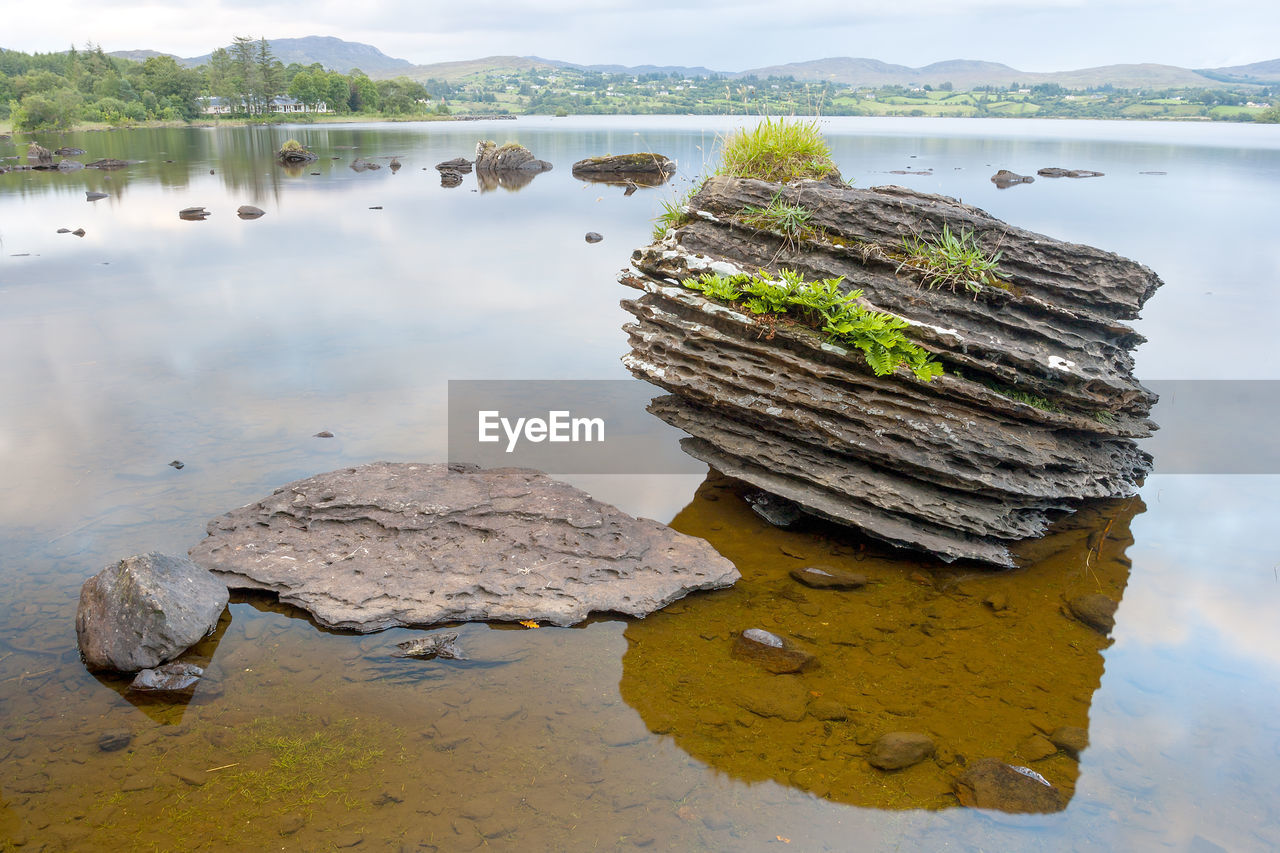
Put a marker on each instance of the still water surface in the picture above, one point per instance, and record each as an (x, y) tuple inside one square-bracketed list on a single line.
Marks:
[(228, 344)]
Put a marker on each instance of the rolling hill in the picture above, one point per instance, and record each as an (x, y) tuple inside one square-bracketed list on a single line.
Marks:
[(340, 55)]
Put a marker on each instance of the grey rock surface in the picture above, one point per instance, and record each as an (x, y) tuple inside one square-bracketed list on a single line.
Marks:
[(957, 467), (145, 610), (392, 544)]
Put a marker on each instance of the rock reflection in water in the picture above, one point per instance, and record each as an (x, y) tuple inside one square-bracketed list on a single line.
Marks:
[(511, 180), (622, 179), (986, 664)]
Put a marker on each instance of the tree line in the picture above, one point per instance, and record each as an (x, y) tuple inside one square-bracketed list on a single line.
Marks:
[(58, 90)]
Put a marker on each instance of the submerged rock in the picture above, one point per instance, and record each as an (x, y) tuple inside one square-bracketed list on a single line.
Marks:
[(109, 163), (1035, 413), (145, 610), (992, 784), (391, 544), (1072, 740), (170, 678), (1096, 610), (114, 740), (771, 652), (68, 151), (896, 750), (817, 578), (443, 646)]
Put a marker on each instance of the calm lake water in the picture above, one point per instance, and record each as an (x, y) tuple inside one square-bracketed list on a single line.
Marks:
[(228, 344)]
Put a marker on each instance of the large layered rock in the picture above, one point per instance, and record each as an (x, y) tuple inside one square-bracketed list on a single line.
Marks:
[(961, 466), (390, 544), (145, 610), (511, 157)]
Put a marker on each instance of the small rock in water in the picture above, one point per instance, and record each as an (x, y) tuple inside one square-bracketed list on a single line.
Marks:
[(1004, 179), (248, 211), (79, 232), (376, 207), (114, 740), (817, 578), (771, 652), (778, 511), (64, 230), (193, 214), (442, 646), (289, 824), (93, 196), (1072, 740), (897, 750), (170, 678), (1096, 610), (324, 433), (992, 784), (177, 463), (630, 190), (593, 237)]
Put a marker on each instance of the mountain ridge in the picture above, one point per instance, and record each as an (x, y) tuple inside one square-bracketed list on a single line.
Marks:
[(340, 55)]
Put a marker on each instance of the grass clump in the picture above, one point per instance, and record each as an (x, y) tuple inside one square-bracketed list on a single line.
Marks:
[(777, 150), (292, 146), (674, 213), (789, 220), (952, 260), (823, 305)]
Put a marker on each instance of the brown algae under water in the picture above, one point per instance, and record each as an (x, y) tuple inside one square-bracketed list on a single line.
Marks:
[(574, 738)]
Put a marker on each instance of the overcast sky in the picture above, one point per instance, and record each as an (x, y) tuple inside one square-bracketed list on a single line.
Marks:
[(1031, 35)]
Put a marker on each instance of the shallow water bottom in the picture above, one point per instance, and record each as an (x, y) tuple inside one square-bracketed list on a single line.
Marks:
[(613, 735)]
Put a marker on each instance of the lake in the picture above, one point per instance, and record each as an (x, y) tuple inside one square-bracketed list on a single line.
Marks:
[(229, 344)]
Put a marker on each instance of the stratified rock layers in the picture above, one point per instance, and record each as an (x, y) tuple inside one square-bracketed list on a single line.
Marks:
[(390, 544), (960, 467)]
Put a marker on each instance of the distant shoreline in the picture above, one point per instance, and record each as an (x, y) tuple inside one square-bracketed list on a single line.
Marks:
[(92, 127)]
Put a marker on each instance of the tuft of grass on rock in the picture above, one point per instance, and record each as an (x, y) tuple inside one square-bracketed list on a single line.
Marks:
[(952, 260), (789, 220), (777, 150)]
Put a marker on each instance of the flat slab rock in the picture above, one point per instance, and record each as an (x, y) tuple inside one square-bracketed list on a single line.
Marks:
[(393, 544)]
